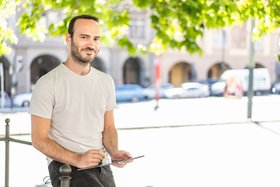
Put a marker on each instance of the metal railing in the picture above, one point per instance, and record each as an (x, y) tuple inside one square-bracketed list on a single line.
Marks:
[(64, 170)]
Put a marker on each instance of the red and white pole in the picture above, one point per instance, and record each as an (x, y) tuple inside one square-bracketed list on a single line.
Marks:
[(157, 81)]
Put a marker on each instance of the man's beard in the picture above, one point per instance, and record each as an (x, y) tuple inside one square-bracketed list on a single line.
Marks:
[(77, 56)]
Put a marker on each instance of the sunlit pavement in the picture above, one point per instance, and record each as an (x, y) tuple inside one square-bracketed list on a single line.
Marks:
[(197, 111), (186, 142)]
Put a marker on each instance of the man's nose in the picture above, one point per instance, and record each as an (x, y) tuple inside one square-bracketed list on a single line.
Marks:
[(92, 44)]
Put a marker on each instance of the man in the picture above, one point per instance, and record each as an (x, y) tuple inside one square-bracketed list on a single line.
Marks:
[(72, 112)]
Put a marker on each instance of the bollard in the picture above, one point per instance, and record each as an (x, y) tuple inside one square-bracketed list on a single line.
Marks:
[(7, 138), (65, 178), (7, 154)]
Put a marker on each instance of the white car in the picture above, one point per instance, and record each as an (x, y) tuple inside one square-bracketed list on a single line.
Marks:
[(22, 100), (195, 89), (174, 93), (150, 91), (188, 90)]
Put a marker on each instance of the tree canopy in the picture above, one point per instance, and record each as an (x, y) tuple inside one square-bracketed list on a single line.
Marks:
[(177, 23)]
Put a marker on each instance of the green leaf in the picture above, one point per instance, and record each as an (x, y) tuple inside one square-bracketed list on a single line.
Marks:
[(177, 24)]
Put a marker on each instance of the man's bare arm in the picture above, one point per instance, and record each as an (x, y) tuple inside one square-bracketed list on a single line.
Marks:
[(110, 139), (110, 135), (41, 141)]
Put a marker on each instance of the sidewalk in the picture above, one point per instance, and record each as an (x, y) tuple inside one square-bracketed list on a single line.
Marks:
[(177, 152), (232, 155)]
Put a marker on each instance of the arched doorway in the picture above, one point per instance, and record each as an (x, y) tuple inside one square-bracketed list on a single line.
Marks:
[(42, 65), (7, 76), (98, 64), (217, 69), (180, 73), (132, 71)]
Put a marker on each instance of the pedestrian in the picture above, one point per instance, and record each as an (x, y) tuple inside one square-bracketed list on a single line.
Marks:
[(72, 112)]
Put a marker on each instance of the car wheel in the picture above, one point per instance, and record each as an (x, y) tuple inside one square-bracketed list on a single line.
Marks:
[(25, 104)]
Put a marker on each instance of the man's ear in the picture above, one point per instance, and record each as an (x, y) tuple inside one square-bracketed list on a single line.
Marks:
[(68, 39)]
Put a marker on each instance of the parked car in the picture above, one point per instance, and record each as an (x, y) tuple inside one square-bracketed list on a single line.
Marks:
[(218, 88), (261, 78), (22, 100), (174, 93), (275, 88), (6, 100), (209, 82), (195, 89), (150, 91), (129, 93), (188, 90)]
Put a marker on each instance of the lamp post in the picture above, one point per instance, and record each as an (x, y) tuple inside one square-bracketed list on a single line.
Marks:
[(251, 67), (278, 46), (223, 50), (2, 84)]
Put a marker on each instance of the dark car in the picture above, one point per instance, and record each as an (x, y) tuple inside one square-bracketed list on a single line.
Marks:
[(218, 88), (129, 93), (275, 88), (210, 82)]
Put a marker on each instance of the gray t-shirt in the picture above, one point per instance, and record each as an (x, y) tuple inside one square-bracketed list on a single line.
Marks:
[(76, 106)]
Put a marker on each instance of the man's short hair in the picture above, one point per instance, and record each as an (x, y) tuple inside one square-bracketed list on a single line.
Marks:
[(74, 19)]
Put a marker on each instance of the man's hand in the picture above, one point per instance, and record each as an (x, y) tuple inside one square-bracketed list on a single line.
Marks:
[(91, 158), (120, 155)]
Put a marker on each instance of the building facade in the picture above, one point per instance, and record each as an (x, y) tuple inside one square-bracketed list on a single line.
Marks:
[(223, 49)]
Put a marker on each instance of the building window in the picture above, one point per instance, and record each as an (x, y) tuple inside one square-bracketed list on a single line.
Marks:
[(137, 28)]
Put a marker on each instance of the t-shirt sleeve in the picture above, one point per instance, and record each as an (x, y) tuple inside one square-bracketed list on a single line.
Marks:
[(111, 101), (42, 100)]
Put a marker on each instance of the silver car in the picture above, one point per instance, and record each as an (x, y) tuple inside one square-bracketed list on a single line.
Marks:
[(188, 90), (150, 91)]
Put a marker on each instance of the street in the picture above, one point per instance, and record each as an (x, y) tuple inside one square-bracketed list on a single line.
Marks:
[(186, 143)]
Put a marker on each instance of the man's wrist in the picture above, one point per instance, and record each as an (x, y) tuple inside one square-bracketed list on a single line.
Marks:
[(74, 159)]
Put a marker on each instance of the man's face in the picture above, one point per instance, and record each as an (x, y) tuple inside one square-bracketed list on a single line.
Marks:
[(85, 42)]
